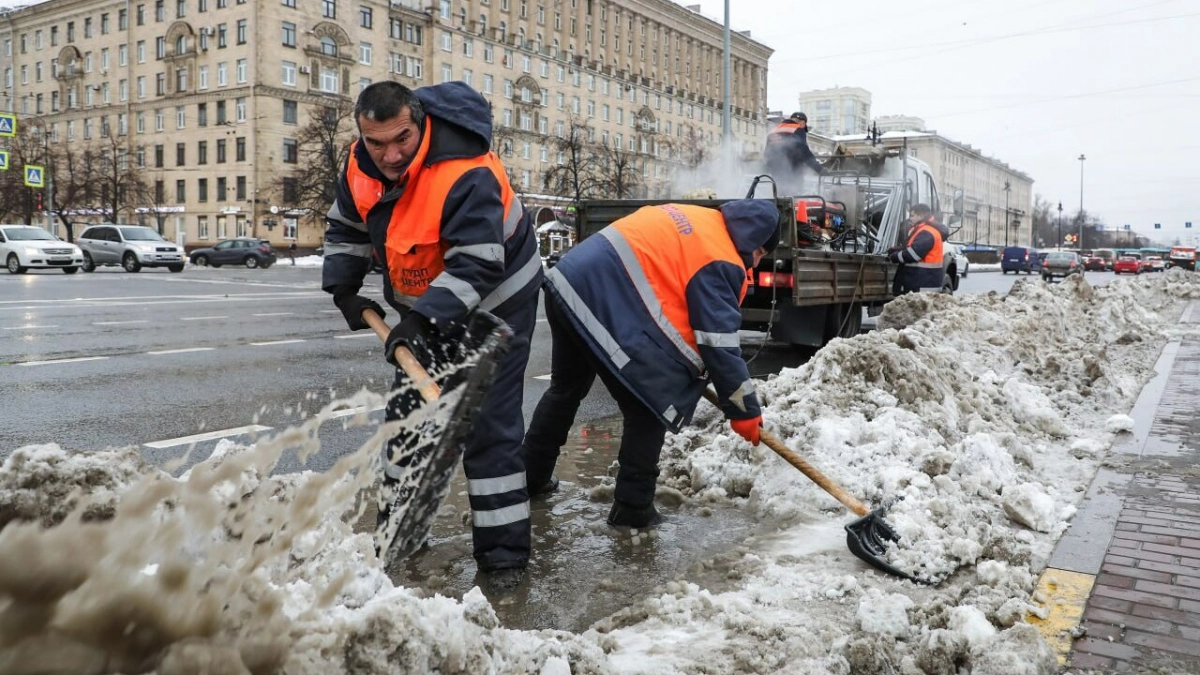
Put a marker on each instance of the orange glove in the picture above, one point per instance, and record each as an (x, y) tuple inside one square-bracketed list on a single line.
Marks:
[(747, 429)]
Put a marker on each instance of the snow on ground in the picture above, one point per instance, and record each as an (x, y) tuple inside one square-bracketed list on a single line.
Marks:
[(980, 419)]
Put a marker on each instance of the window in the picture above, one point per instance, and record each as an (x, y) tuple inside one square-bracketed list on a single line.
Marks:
[(160, 10), (202, 227), (160, 84), (291, 152), (202, 152), (241, 31), (222, 233), (414, 68), (181, 79), (222, 36), (468, 77), (222, 74), (239, 108), (222, 189), (221, 112), (364, 53), (180, 154), (288, 73), (447, 73), (160, 48), (141, 129), (290, 114), (329, 9), (468, 47), (487, 84), (395, 28), (180, 8), (160, 120), (241, 186), (123, 19), (158, 156), (180, 191), (141, 15), (289, 34), (201, 114), (202, 78), (243, 67), (141, 51), (221, 155), (447, 41), (240, 149), (328, 47), (364, 16), (329, 80), (123, 55)]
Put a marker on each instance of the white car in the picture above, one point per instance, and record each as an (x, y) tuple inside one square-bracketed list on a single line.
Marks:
[(960, 258), (130, 246), (24, 247)]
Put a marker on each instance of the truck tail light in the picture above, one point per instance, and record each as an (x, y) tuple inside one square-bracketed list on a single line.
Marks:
[(777, 279)]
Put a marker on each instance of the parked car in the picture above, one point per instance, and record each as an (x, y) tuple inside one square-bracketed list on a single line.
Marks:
[(24, 247), (1060, 264), (246, 251), (130, 246), (1020, 259), (1155, 263), (1127, 264), (1095, 263), (961, 261)]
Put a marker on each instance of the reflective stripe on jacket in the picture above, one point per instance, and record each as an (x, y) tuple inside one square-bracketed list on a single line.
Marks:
[(657, 297)]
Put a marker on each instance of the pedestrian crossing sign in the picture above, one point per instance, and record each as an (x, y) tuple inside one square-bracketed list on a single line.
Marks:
[(3, 160), (8, 125), (35, 176)]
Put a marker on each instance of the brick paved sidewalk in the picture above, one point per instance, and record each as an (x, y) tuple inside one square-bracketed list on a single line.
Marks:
[(1135, 549)]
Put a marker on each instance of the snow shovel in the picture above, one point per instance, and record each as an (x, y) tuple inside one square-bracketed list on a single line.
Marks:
[(868, 536), (417, 479)]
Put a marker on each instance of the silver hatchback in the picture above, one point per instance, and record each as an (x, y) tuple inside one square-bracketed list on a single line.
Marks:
[(130, 246)]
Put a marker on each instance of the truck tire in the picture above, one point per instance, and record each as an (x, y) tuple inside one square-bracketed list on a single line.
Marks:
[(843, 321)]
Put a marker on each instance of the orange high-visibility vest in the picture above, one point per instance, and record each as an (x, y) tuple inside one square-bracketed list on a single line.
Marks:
[(414, 247)]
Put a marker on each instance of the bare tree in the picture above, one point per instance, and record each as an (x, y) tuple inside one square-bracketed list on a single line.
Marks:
[(117, 184), (151, 195), (18, 202), (577, 175), (692, 149), (618, 176), (322, 148)]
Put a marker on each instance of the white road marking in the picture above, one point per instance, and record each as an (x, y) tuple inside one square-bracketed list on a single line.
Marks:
[(541, 377), (26, 327), (182, 351), (275, 342), (54, 361), (353, 335), (209, 436), (274, 314), (201, 318), (331, 311), (354, 411), (118, 323)]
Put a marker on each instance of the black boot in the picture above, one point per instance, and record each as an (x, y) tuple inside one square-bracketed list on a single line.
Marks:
[(544, 489), (626, 515), (505, 581)]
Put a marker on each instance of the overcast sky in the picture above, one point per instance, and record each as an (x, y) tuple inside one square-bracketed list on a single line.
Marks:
[(1033, 83)]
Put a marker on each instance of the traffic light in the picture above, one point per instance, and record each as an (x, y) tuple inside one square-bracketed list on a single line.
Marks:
[(39, 201)]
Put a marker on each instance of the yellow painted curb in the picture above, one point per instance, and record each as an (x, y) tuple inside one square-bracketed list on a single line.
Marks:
[(1063, 596)]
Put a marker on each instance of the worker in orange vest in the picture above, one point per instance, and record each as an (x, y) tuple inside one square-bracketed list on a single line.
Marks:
[(921, 256), (787, 152), (651, 305), (423, 195)]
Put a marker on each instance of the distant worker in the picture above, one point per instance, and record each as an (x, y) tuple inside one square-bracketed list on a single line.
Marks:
[(787, 151), (921, 256), (292, 253), (651, 304)]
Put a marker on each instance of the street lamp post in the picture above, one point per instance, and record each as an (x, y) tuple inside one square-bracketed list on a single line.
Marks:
[(1082, 157), (1060, 239), (1007, 192), (48, 177)]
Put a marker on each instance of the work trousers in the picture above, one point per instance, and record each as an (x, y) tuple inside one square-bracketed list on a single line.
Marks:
[(492, 459), (573, 370)]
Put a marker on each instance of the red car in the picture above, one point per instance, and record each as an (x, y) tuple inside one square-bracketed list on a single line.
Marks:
[(1094, 263), (1127, 264)]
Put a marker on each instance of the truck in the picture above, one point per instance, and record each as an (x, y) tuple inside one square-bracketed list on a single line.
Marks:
[(831, 261), (1183, 256)]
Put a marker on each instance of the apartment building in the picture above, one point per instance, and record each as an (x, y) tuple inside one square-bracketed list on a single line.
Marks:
[(209, 97), (837, 110)]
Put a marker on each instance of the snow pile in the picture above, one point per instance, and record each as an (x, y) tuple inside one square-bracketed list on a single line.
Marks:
[(984, 416)]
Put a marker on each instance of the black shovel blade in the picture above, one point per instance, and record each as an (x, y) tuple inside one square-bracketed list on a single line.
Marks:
[(868, 539), (417, 478)]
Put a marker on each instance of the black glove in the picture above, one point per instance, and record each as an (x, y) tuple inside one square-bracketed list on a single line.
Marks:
[(352, 307), (416, 333)]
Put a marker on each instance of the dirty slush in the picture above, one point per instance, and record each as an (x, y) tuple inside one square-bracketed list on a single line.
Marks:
[(986, 415)]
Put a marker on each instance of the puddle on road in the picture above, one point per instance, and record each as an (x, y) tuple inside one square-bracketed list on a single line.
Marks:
[(582, 570)]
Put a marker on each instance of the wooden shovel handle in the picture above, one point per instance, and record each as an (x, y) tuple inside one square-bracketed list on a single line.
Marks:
[(429, 389), (814, 474)]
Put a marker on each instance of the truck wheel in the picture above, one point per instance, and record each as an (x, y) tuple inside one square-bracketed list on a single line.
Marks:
[(844, 321), (948, 284)]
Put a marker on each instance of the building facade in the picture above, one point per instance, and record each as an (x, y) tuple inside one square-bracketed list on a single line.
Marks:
[(208, 99), (836, 111), (886, 123)]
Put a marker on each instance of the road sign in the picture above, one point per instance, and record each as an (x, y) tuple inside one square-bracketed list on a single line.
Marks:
[(8, 125), (1188, 224), (1128, 227), (35, 176), (1158, 226), (3, 160), (1099, 227)]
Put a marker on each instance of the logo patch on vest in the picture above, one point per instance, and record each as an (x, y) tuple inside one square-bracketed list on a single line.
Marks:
[(682, 224)]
